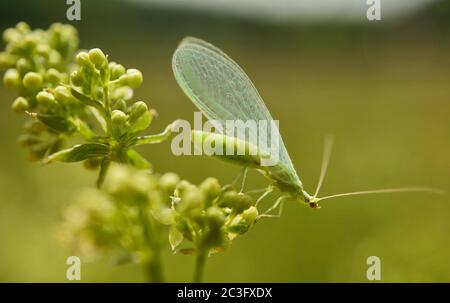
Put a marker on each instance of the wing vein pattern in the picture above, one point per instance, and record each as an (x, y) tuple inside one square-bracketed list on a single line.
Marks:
[(222, 91)]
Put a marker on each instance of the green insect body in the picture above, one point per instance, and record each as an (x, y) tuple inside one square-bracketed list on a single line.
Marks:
[(251, 156), (223, 92)]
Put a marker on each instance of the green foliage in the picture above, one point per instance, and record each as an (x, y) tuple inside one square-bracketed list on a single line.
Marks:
[(83, 98), (81, 108), (209, 215), (122, 219)]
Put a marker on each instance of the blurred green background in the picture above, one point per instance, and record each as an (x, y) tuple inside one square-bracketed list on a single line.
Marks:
[(381, 88)]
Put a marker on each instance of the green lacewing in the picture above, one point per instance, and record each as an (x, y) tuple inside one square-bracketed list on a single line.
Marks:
[(222, 91)]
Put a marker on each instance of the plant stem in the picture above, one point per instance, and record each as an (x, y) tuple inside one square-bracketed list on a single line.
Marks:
[(107, 104), (151, 233), (200, 262), (103, 170), (155, 266)]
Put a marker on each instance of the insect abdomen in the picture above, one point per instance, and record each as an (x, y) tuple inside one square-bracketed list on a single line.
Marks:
[(227, 148)]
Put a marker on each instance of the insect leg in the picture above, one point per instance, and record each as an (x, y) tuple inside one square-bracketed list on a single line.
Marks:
[(244, 177), (266, 192), (242, 174), (278, 203)]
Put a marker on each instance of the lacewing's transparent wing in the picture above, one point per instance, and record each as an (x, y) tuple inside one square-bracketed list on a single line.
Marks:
[(222, 91)]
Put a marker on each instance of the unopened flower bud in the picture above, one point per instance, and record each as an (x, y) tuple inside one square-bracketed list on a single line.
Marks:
[(23, 27), (192, 202), (215, 216), (137, 110), (23, 66), (45, 98), (211, 188), (43, 50), (118, 117), (133, 78), (77, 78), (20, 105), (82, 59), (6, 60), (62, 94), (11, 34), (53, 76), (236, 201), (169, 182), (117, 70), (54, 57), (120, 105), (32, 80), (97, 57), (182, 187), (250, 214), (11, 79)]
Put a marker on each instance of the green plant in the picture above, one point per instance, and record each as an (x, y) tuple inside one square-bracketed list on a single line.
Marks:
[(88, 100), (80, 108)]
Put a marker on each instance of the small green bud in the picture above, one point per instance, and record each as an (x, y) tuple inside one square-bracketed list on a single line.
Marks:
[(54, 57), (133, 78), (20, 105), (11, 79), (250, 214), (45, 98), (164, 215), (117, 70), (118, 117), (182, 187), (123, 92), (120, 105), (137, 110), (192, 201), (32, 80), (236, 201), (169, 182), (53, 76), (23, 66), (43, 50), (214, 235), (30, 42), (97, 57), (23, 27), (211, 188), (7, 60), (77, 78), (11, 34), (62, 94), (215, 216), (82, 59), (238, 225)]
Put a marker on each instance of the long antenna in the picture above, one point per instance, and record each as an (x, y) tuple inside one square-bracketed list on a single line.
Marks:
[(327, 147), (387, 190)]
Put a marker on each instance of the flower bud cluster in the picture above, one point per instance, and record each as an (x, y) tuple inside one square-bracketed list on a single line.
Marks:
[(69, 94), (133, 205), (210, 216)]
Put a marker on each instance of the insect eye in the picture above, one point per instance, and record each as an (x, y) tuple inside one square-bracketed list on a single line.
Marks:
[(314, 205)]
